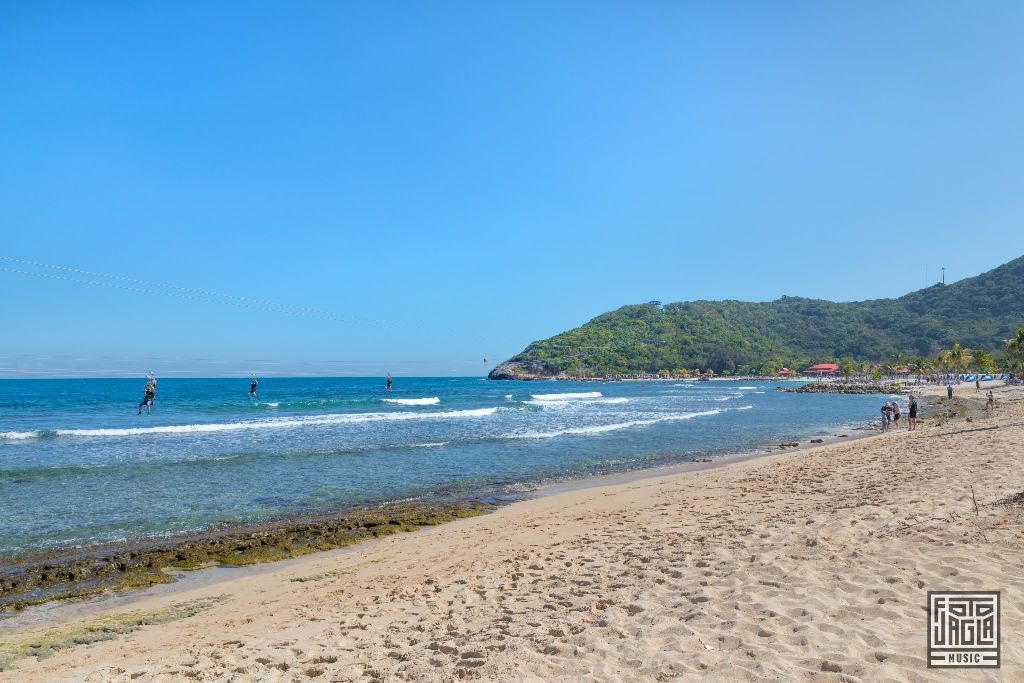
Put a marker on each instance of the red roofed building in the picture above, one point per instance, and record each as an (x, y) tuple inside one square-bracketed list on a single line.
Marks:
[(822, 369), (784, 371)]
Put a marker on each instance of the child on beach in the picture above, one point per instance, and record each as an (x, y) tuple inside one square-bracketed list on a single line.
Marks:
[(990, 404), (886, 416)]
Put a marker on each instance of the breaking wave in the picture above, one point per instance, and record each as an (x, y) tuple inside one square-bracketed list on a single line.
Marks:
[(562, 403), (615, 426), (280, 423), (566, 397), (432, 401)]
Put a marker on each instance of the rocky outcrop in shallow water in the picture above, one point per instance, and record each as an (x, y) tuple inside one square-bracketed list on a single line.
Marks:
[(842, 388)]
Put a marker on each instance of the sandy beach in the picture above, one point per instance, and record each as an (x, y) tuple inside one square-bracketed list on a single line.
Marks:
[(806, 565)]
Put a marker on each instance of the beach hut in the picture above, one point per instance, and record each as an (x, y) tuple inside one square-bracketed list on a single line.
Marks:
[(784, 372), (822, 369)]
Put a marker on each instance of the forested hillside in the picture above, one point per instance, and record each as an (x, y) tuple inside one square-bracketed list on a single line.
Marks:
[(737, 336)]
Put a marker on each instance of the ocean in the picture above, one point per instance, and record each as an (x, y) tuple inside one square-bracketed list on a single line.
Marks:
[(78, 466)]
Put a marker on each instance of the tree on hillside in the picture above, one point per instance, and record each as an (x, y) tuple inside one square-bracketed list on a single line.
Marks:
[(960, 357), (901, 362), (848, 368), (1015, 350), (981, 361), (920, 366)]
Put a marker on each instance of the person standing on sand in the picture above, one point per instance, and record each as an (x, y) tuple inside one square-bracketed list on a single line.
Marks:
[(252, 389), (977, 384), (886, 416), (148, 395), (912, 417), (990, 404), (895, 413), (949, 391)]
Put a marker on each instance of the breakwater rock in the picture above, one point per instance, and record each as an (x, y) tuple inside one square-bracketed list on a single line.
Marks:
[(843, 388)]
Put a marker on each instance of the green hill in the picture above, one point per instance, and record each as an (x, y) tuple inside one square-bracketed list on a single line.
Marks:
[(739, 336)]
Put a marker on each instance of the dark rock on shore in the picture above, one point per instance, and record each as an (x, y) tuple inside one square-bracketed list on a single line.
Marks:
[(39, 578)]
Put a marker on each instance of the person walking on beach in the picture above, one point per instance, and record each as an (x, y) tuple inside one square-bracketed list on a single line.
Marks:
[(252, 389), (912, 417), (149, 393), (886, 416), (949, 391), (977, 384), (990, 404), (895, 413), (387, 384)]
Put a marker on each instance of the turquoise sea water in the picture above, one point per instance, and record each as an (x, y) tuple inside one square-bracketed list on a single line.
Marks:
[(78, 466)]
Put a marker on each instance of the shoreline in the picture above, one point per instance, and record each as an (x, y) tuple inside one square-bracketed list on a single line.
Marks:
[(31, 580), (153, 561), (471, 565)]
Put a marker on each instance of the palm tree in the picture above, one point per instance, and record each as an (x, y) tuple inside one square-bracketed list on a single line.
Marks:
[(919, 366), (981, 360), (1015, 346), (961, 357), (848, 368)]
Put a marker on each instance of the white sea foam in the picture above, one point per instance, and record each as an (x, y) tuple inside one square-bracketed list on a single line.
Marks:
[(432, 401), (279, 423), (746, 387), (613, 427), (17, 436), (567, 397), (433, 444), (551, 403)]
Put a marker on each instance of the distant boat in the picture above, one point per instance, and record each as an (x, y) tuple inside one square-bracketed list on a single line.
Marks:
[(703, 378)]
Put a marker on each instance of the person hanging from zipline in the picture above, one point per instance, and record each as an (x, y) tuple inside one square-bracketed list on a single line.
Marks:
[(148, 395), (252, 389)]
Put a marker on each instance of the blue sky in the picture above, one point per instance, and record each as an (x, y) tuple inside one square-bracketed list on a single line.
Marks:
[(456, 179)]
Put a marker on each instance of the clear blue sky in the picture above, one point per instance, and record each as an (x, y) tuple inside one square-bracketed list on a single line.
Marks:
[(478, 175)]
